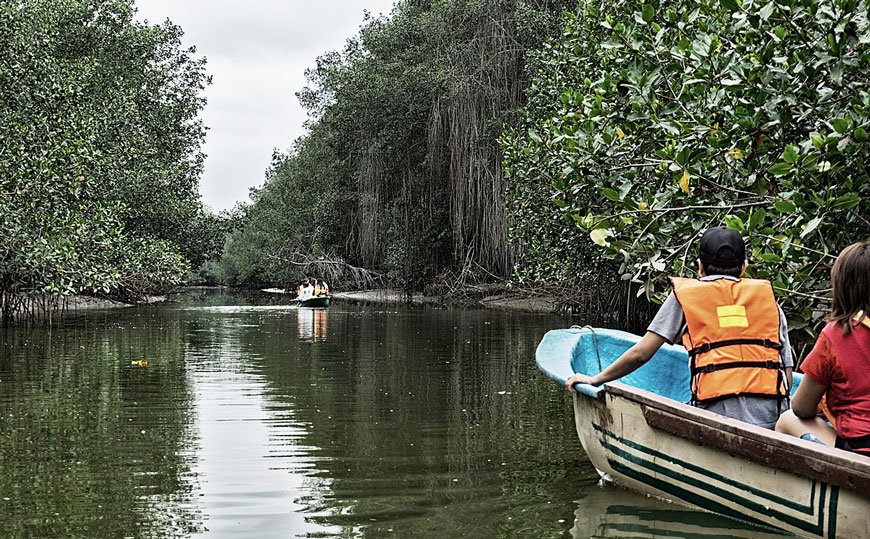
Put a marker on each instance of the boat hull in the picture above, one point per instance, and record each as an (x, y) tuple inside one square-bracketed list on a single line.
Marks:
[(320, 301), (624, 448), (674, 451)]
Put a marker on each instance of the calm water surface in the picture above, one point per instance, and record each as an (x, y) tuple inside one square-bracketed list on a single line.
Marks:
[(221, 415)]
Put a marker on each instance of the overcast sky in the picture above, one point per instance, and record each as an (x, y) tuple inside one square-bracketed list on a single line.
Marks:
[(257, 53)]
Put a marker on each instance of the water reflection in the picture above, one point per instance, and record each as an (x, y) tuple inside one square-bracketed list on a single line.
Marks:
[(311, 324), (615, 512), (214, 415), (95, 437)]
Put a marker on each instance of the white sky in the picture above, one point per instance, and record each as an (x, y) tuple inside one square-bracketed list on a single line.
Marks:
[(257, 53)]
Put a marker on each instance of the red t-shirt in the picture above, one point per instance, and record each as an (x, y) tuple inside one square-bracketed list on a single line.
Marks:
[(843, 365)]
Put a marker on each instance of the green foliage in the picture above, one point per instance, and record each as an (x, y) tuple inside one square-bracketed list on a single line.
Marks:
[(402, 152), (100, 152), (649, 122)]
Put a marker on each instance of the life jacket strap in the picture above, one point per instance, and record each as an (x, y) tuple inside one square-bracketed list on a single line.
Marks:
[(706, 347), (780, 398), (736, 365)]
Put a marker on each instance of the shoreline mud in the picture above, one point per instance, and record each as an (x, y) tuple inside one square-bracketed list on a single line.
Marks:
[(490, 298)]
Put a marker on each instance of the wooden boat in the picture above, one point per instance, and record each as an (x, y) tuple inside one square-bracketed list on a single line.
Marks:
[(315, 301), (640, 433)]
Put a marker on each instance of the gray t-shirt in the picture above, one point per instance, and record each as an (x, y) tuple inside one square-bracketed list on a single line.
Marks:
[(670, 323)]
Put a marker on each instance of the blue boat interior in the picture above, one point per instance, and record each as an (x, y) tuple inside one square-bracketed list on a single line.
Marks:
[(563, 352)]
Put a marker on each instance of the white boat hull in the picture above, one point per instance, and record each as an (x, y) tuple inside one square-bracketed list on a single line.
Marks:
[(616, 435)]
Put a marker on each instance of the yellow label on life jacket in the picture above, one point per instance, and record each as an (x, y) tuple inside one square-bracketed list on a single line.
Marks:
[(732, 316)]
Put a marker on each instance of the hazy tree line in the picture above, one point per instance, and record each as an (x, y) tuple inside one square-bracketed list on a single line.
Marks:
[(399, 178), (100, 153)]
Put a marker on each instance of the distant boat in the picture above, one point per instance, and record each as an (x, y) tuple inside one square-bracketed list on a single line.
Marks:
[(316, 301), (640, 432)]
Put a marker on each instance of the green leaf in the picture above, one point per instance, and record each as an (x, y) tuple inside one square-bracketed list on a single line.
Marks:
[(841, 125), (757, 218), (860, 134), (847, 201), (731, 5), (784, 206), (791, 154), (559, 202), (811, 225), (771, 257), (732, 221), (610, 193), (766, 11), (648, 13), (780, 169)]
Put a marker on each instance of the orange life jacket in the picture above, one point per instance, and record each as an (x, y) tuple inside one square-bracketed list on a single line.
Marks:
[(732, 338)]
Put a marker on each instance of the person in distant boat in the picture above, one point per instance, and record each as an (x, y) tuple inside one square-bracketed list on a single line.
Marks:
[(838, 367), (307, 290), (734, 331)]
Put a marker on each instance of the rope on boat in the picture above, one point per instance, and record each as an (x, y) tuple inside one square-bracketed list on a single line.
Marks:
[(594, 340)]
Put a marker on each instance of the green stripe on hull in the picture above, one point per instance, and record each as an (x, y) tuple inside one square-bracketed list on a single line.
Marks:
[(695, 499), (797, 506), (832, 512)]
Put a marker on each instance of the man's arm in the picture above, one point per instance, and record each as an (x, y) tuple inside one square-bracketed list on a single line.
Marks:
[(631, 360)]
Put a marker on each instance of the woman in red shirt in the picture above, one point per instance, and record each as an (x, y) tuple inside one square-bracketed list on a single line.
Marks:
[(838, 367)]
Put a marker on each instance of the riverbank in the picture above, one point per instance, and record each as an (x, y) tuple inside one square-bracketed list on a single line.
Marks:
[(488, 296), (83, 303)]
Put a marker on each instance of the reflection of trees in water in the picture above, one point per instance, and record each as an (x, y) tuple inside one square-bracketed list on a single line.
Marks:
[(92, 445), (435, 422)]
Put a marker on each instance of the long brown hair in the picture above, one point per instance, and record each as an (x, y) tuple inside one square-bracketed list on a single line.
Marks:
[(850, 279)]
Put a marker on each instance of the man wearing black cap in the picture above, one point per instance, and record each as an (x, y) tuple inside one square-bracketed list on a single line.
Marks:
[(734, 331)]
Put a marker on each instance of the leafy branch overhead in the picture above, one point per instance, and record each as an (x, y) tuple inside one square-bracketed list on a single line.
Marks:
[(652, 121)]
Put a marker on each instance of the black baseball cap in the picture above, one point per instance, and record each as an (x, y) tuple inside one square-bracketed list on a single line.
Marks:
[(723, 247)]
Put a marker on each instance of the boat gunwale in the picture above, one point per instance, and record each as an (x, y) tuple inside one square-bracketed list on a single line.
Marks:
[(315, 301), (768, 447)]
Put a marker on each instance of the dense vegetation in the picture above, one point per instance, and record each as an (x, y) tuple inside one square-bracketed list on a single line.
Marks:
[(650, 121), (100, 154), (400, 173)]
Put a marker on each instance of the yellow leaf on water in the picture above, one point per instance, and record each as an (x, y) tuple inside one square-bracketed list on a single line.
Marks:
[(714, 129), (620, 133), (684, 182), (719, 47), (735, 153), (642, 205)]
